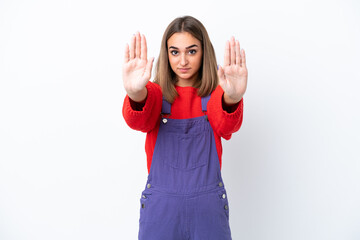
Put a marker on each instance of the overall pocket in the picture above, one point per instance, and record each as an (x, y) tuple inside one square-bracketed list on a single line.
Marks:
[(186, 151)]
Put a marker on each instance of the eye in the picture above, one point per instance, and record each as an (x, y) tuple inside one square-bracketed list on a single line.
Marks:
[(192, 51), (174, 52)]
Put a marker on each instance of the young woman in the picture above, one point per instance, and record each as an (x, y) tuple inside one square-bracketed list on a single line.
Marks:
[(185, 112)]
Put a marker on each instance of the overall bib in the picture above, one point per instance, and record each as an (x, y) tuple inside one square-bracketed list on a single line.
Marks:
[(184, 197)]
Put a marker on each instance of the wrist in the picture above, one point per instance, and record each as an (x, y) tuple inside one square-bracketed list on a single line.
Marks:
[(231, 100), (138, 96)]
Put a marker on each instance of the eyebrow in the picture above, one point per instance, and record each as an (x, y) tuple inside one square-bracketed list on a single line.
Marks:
[(194, 45)]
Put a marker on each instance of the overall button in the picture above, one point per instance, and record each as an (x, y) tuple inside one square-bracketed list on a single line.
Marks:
[(143, 196), (224, 195), (226, 207), (148, 185), (220, 184), (164, 120)]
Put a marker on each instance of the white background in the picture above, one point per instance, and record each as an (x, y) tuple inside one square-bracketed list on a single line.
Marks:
[(70, 168)]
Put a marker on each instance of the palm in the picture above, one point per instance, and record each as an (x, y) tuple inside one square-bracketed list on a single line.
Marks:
[(136, 68), (233, 75), (234, 80), (134, 74)]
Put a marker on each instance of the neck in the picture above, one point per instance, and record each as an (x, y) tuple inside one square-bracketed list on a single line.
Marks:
[(186, 82)]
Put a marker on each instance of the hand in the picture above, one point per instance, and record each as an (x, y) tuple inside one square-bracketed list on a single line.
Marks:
[(136, 68), (233, 76)]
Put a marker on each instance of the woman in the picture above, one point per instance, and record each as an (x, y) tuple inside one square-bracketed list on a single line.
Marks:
[(185, 112)]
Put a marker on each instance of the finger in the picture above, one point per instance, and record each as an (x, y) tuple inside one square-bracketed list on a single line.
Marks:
[(149, 68), (126, 57), (227, 54), (143, 47), (233, 53), (138, 45), (238, 54), (132, 47), (243, 58)]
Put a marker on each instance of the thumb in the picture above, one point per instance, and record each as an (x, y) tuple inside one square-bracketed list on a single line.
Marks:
[(221, 75), (148, 68)]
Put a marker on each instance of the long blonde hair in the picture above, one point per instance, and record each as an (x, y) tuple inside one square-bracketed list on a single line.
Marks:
[(164, 75)]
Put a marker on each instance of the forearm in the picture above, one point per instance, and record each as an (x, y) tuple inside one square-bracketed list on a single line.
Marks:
[(139, 96), (225, 119), (143, 115), (231, 101)]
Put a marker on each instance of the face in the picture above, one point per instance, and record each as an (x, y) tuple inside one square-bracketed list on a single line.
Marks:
[(185, 57)]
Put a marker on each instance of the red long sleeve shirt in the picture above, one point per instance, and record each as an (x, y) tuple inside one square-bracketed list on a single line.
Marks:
[(145, 116)]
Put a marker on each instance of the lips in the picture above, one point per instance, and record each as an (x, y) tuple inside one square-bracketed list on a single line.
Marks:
[(184, 70)]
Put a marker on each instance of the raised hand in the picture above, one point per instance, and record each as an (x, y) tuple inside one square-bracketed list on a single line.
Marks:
[(233, 75), (136, 68)]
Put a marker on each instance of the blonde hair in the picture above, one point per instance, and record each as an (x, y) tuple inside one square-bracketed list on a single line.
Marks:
[(164, 75)]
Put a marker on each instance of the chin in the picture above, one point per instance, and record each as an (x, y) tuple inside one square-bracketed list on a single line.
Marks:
[(185, 75)]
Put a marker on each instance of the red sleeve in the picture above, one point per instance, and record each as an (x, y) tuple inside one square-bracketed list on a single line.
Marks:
[(144, 116), (225, 120)]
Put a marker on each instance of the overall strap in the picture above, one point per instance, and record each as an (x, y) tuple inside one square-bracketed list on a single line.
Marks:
[(166, 107), (204, 101)]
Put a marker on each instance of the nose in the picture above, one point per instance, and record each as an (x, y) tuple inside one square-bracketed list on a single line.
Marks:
[(183, 60)]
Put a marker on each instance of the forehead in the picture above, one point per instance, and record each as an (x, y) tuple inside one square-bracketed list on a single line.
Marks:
[(182, 40)]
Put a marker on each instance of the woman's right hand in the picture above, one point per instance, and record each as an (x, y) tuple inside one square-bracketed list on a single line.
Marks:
[(137, 68)]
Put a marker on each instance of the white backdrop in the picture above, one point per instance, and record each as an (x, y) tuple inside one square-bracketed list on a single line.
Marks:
[(70, 168)]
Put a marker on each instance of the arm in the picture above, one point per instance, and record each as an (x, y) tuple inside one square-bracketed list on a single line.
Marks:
[(141, 104), (143, 116), (225, 108), (224, 119)]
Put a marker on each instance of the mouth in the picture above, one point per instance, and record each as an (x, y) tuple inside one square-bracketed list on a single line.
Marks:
[(184, 70)]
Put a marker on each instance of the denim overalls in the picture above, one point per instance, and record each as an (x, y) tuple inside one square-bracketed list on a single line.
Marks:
[(184, 197)]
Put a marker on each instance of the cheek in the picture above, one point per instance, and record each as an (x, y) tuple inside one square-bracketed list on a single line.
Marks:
[(172, 62), (198, 62)]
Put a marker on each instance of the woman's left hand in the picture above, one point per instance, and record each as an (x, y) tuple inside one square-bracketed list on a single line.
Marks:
[(233, 75)]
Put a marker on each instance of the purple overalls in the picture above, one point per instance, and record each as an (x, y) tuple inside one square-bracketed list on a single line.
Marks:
[(184, 197)]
